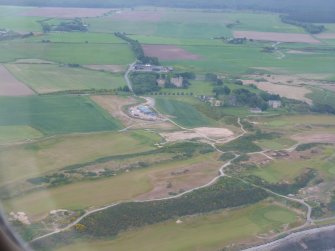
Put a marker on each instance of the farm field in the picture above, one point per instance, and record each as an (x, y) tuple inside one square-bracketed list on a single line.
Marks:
[(56, 114), (16, 133), (202, 232), (58, 152), (47, 78), (64, 12), (10, 86), (183, 113), (65, 53), (106, 191)]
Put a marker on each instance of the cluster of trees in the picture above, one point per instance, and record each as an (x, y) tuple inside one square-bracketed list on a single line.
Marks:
[(309, 27), (224, 194), (68, 26), (244, 97), (8, 35), (323, 108), (138, 50), (144, 82)]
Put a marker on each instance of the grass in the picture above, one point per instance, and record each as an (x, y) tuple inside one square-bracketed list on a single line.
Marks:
[(62, 78), (182, 113), (66, 53), (78, 37), (202, 232), (22, 162), (56, 114), (276, 144), (100, 192), (288, 169), (17, 133)]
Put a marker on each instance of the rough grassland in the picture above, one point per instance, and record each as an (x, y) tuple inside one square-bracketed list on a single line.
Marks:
[(66, 52), (15, 133), (100, 192), (35, 159), (182, 113), (205, 232), (46, 78)]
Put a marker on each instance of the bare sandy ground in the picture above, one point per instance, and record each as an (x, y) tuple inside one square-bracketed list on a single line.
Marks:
[(201, 133), (288, 86), (65, 12), (10, 86), (110, 68), (277, 37), (33, 61), (315, 138), (169, 52)]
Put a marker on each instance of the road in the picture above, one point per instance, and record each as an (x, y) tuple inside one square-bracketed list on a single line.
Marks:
[(126, 77)]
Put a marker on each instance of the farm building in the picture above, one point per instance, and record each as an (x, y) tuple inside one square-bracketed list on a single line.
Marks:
[(178, 81), (275, 104)]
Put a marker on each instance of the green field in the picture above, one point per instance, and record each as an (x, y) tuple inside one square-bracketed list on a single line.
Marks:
[(276, 144), (183, 113), (203, 232), (16, 133), (47, 78), (56, 114), (77, 37), (26, 161), (68, 53)]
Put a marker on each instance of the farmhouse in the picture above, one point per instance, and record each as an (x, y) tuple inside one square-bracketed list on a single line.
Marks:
[(177, 81), (152, 68), (275, 104)]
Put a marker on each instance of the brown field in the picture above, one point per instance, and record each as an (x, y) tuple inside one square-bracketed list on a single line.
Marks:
[(314, 138), (169, 52), (276, 37), (183, 177), (291, 87), (114, 105), (109, 68), (326, 36), (201, 133), (153, 16), (65, 12), (10, 86)]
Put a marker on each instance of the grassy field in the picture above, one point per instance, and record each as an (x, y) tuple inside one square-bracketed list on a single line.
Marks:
[(288, 169), (100, 192), (78, 37), (56, 114), (191, 24), (276, 144), (46, 78), (182, 113), (17, 133), (203, 232), (22, 162), (66, 52), (237, 59)]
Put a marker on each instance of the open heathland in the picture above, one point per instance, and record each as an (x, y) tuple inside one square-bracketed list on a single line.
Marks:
[(47, 78), (10, 86), (55, 114)]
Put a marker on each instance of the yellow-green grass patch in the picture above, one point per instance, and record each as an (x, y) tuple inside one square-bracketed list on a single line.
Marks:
[(18, 133), (203, 232), (46, 78), (30, 160)]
